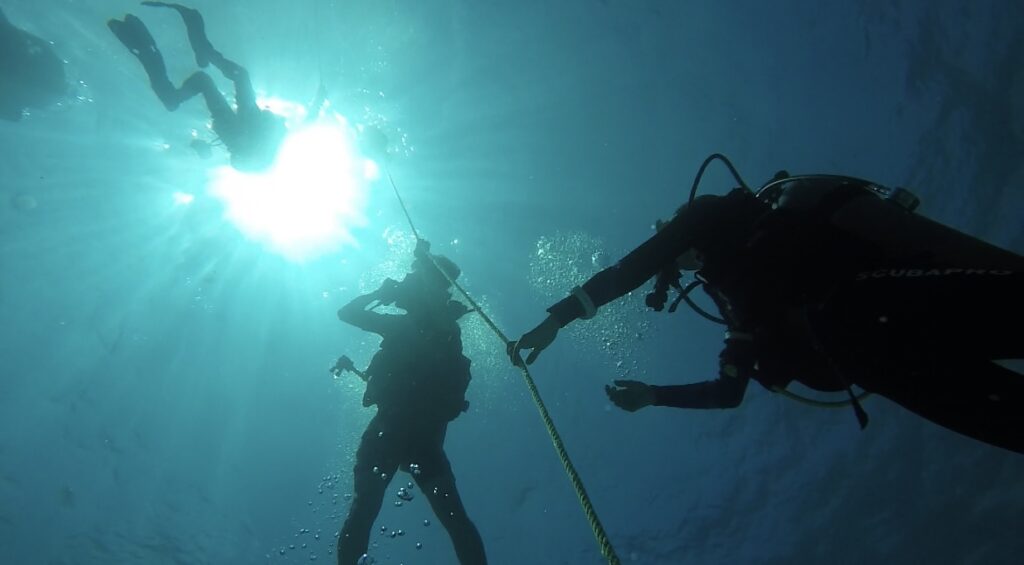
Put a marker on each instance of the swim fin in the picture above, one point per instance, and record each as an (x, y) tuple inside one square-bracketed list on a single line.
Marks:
[(196, 29), (133, 34)]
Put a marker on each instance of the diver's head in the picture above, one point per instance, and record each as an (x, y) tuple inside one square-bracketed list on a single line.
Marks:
[(431, 274), (447, 267), (427, 288)]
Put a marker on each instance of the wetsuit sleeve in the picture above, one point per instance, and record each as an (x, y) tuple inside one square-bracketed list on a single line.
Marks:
[(356, 314), (735, 369), (632, 271), (723, 392)]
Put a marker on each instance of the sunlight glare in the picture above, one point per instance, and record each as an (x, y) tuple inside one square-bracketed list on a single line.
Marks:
[(182, 198), (304, 206)]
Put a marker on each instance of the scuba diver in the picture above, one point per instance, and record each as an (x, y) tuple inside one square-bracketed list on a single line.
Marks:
[(31, 74), (830, 281), (418, 381), (250, 134)]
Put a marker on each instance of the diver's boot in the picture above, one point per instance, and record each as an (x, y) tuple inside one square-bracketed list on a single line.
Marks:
[(133, 34), (196, 29)]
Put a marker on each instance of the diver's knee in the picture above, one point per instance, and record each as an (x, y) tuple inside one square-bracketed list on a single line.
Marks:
[(167, 94), (199, 81), (236, 73)]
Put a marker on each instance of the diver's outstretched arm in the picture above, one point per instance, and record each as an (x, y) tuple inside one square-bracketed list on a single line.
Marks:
[(724, 392), (359, 313)]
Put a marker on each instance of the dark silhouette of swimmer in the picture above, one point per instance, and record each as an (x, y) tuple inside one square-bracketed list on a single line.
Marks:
[(31, 74), (418, 381), (250, 134)]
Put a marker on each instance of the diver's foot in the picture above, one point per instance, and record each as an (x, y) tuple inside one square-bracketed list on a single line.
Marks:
[(196, 29)]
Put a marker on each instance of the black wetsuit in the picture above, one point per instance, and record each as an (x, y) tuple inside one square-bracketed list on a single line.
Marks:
[(251, 135), (809, 302), (418, 382)]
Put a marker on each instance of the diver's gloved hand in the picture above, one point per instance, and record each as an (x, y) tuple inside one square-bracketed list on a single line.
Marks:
[(457, 309), (422, 249), (344, 363), (388, 291), (536, 340), (630, 395)]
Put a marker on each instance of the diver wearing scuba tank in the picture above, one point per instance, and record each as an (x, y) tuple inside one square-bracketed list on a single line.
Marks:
[(787, 266), (417, 381)]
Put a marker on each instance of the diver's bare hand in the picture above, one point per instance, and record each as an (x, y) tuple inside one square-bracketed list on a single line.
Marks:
[(630, 395), (535, 340)]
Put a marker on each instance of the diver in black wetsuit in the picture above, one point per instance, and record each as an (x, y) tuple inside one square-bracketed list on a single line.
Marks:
[(251, 135), (418, 382), (31, 74), (837, 287)]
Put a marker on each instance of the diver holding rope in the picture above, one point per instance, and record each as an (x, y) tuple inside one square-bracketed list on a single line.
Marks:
[(832, 282), (418, 381)]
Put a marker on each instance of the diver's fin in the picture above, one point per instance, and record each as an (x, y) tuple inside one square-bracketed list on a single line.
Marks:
[(196, 28), (133, 34)]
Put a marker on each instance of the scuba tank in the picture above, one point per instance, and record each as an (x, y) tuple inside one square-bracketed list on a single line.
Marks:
[(879, 216), (885, 218)]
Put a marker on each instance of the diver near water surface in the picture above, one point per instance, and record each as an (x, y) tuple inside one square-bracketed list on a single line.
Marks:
[(31, 74), (831, 282), (250, 134), (418, 381)]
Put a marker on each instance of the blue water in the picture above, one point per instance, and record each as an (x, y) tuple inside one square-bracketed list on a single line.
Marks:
[(163, 388)]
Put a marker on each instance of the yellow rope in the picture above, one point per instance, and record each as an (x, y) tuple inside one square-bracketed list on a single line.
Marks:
[(577, 483)]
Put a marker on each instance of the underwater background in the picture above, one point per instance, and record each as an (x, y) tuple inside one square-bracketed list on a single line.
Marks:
[(164, 393)]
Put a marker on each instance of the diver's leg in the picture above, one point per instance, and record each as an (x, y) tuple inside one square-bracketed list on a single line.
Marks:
[(196, 28), (201, 83), (982, 400), (965, 315), (910, 315), (245, 96), (926, 339), (437, 482), (133, 34), (373, 458)]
